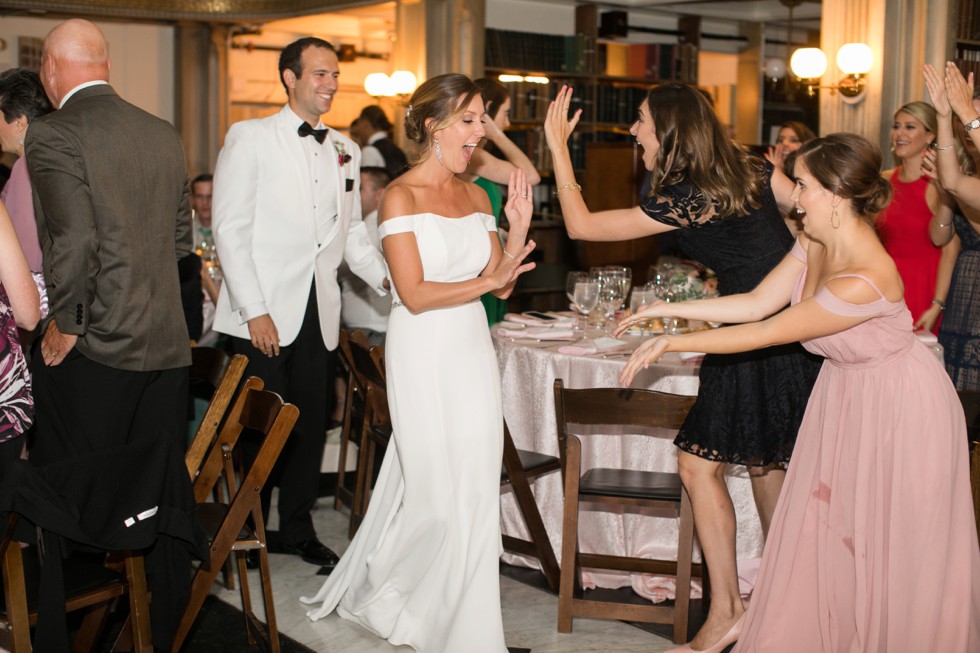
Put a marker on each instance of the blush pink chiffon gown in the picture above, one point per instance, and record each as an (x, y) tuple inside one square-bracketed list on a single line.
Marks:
[(873, 546)]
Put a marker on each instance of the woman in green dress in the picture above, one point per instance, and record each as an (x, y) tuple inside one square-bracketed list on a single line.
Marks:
[(487, 170)]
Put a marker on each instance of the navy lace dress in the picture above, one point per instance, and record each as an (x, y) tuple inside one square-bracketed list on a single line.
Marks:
[(750, 405), (959, 333)]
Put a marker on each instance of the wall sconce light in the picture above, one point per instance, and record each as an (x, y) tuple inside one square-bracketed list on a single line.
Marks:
[(533, 79), (854, 60), (401, 83)]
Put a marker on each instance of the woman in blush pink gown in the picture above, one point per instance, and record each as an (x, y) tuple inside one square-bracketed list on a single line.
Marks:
[(873, 546)]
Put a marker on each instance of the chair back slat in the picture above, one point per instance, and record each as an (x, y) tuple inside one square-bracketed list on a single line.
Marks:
[(214, 376)]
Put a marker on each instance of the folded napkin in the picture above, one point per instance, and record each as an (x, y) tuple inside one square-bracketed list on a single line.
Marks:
[(538, 333), (602, 345), (559, 321)]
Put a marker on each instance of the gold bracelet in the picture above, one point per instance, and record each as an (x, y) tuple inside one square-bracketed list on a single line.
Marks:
[(943, 149), (572, 186), (940, 303)]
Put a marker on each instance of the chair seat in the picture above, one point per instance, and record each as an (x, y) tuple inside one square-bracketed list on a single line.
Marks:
[(656, 486), (533, 462), (83, 573), (212, 514)]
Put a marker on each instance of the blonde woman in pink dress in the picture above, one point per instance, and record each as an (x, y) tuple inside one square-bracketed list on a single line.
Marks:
[(873, 546)]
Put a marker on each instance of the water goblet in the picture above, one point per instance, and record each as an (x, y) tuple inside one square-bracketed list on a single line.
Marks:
[(571, 280), (586, 295)]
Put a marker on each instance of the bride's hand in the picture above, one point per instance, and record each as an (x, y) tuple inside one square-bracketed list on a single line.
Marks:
[(650, 311), (511, 266), (647, 353), (519, 207), (557, 125)]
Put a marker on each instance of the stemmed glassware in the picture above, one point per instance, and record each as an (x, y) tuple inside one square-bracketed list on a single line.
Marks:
[(642, 296), (585, 295), (571, 279)]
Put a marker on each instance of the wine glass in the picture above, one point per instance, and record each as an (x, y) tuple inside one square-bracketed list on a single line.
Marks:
[(611, 296), (641, 296), (586, 295), (571, 279)]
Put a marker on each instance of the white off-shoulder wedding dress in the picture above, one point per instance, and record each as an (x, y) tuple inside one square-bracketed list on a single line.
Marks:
[(423, 567)]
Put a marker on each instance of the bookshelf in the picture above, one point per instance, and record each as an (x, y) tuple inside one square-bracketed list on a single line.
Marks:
[(966, 37), (609, 80)]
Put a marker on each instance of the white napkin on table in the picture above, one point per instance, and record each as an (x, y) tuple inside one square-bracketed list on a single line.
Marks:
[(559, 321), (538, 333), (602, 345)]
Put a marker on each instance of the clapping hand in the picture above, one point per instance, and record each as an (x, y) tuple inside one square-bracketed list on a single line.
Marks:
[(959, 91), (937, 91), (557, 125), (648, 352), (656, 309)]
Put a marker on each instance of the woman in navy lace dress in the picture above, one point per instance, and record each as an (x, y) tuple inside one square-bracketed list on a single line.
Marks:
[(959, 332), (723, 205)]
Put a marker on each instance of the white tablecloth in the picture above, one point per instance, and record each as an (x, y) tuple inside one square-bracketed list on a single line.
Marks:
[(527, 373)]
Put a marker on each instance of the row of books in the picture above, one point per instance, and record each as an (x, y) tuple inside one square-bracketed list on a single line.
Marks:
[(617, 105), (971, 65), (529, 102), (968, 21), (537, 52), (654, 61), (532, 142)]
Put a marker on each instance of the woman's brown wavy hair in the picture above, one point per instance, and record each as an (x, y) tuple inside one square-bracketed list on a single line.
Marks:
[(695, 147)]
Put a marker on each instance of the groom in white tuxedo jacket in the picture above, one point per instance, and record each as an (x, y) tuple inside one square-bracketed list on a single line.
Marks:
[(286, 211)]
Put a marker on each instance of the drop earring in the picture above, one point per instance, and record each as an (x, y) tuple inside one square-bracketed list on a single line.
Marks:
[(835, 225), (438, 151)]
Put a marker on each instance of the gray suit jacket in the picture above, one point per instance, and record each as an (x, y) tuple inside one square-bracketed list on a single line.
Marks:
[(110, 196)]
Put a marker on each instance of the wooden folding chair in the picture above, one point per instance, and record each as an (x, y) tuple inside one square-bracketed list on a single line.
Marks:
[(520, 467), (375, 426), (238, 525), (971, 408), (353, 415), (89, 585), (214, 376), (620, 407)]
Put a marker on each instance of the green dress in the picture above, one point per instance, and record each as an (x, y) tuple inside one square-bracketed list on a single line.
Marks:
[(495, 307)]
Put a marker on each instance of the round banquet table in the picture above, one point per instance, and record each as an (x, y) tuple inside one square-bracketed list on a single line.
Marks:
[(528, 369)]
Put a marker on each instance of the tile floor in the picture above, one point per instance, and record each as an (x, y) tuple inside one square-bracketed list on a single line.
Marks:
[(529, 613)]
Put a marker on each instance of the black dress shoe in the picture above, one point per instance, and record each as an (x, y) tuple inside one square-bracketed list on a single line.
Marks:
[(312, 551)]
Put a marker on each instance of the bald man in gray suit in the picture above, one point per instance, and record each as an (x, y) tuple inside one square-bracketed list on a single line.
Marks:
[(111, 199)]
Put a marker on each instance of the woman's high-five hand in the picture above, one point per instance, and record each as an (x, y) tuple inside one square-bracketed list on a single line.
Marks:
[(557, 125)]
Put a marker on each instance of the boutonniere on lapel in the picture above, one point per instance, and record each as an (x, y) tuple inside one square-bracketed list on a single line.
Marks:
[(342, 156)]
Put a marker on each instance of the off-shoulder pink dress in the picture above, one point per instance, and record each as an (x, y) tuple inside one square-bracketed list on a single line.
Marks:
[(873, 546)]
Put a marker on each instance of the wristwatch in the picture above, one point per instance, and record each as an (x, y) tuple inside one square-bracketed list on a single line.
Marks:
[(973, 124)]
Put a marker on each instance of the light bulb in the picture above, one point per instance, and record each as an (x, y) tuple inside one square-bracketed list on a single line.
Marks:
[(855, 58), (808, 63)]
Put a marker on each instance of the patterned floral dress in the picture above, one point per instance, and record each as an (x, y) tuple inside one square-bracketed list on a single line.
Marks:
[(16, 400)]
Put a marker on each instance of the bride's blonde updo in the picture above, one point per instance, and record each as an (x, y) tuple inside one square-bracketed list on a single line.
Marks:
[(444, 99), (849, 165)]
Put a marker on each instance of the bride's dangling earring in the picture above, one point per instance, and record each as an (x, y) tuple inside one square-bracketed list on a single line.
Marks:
[(438, 150)]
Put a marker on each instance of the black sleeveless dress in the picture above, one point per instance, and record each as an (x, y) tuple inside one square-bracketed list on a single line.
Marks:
[(749, 405)]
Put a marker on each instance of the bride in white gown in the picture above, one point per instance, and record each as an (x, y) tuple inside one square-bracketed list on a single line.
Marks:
[(423, 567)]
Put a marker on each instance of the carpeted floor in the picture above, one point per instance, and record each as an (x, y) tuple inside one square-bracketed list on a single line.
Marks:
[(220, 628)]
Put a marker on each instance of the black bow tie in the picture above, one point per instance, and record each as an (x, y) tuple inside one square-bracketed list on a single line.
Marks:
[(319, 134)]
